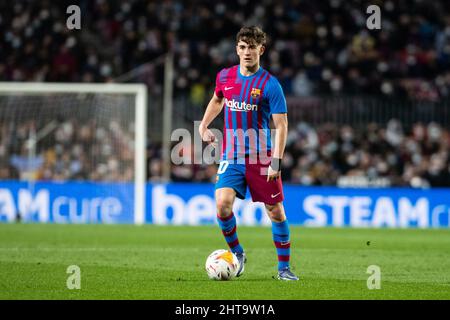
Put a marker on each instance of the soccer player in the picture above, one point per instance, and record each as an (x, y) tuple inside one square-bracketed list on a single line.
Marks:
[(251, 95)]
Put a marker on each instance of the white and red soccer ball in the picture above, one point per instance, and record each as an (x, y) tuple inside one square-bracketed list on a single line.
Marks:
[(222, 265)]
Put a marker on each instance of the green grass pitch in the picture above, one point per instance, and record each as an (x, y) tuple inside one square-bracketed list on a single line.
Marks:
[(167, 262)]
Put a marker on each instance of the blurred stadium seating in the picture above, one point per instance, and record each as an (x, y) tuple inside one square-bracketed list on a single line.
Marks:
[(365, 107)]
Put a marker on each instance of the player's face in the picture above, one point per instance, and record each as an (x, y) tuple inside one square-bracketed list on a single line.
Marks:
[(249, 53)]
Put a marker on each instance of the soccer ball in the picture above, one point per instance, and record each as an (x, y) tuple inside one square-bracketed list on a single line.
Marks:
[(222, 265)]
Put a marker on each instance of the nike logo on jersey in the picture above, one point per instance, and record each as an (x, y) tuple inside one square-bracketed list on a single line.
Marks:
[(274, 195), (227, 88)]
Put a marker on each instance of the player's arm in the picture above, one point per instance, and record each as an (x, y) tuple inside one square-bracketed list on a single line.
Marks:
[(278, 108), (213, 109), (281, 127)]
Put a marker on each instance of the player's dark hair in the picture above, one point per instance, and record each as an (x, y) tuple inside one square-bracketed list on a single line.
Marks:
[(252, 35)]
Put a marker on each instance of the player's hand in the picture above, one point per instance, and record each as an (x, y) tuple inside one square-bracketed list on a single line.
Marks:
[(207, 136), (272, 174)]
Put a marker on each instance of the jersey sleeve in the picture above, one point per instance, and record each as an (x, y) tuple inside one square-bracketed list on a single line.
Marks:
[(218, 89), (275, 96)]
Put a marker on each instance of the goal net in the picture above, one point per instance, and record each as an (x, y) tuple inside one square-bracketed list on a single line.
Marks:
[(73, 152)]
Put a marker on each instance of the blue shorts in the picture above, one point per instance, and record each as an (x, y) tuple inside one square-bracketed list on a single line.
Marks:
[(240, 175)]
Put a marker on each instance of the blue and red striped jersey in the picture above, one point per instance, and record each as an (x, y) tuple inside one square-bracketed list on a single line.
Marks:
[(249, 101)]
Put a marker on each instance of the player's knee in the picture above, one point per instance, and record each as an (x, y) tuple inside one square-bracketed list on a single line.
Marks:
[(275, 212), (224, 207)]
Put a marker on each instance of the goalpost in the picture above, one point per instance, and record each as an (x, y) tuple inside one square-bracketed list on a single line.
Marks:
[(57, 117)]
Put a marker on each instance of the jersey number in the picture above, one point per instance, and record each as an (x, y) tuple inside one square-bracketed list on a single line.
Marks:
[(222, 167)]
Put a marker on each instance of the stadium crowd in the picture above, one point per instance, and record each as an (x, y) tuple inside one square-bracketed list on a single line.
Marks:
[(72, 151), (323, 155), (332, 155), (315, 48)]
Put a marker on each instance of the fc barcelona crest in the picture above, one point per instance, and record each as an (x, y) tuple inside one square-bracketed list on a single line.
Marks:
[(255, 93)]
